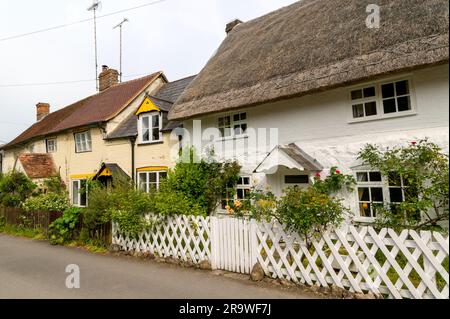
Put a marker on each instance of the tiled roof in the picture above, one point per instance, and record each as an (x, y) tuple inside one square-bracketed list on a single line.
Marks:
[(97, 108), (38, 165), (164, 99)]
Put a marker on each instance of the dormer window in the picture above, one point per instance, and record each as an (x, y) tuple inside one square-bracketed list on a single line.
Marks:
[(150, 127)]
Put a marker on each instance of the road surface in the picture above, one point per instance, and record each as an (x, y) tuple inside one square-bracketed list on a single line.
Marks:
[(35, 269)]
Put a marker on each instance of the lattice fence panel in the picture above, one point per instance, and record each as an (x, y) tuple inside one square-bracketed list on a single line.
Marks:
[(181, 237), (399, 265)]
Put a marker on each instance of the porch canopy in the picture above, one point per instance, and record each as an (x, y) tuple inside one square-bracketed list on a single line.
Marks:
[(290, 156), (110, 170)]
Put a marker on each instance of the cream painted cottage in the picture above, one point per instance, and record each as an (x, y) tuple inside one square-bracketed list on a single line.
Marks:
[(304, 88), (97, 137)]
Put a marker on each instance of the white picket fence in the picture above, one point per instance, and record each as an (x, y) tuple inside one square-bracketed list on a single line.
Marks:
[(398, 265)]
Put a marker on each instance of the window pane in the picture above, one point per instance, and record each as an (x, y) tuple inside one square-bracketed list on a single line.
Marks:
[(364, 209), (404, 103), (357, 94), (243, 116), (236, 117), (369, 92), (358, 110), (226, 121), (240, 193), (394, 179), (75, 191), (143, 182), (375, 176), (377, 194), (83, 193), (162, 175), (145, 122), (237, 130), (402, 87), (395, 194), (244, 128), (387, 90), (152, 177), (246, 180), (371, 108), (363, 194), (296, 179), (155, 134), (155, 121), (146, 135), (361, 177), (220, 121), (389, 106)]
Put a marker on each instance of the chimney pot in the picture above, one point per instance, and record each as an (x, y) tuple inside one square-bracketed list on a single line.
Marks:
[(230, 26), (107, 78), (42, 110)]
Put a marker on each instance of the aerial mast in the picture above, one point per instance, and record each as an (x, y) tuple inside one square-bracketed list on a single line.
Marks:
[(120, 46), (96, 5)]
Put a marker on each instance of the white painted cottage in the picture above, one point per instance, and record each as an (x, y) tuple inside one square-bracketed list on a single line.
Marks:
[(304, 88)]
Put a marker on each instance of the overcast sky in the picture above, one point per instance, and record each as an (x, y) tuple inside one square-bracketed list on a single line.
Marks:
[(175, 36)]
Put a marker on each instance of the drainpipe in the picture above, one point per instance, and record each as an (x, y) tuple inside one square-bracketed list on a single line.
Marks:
[(133, 143)]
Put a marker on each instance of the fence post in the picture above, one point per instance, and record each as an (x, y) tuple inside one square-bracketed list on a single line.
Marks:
[(213, 231), (253, 244)]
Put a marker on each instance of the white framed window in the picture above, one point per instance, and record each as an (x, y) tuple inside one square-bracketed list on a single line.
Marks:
[(79, 193), (149, 181), (375, 189), (51, 145), (381, 100), (243, 189), (83, 142), (232, 125), (150, 126)]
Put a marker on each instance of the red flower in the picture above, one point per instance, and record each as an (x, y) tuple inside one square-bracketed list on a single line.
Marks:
[(413, 142), (338, 171), (318, 175)]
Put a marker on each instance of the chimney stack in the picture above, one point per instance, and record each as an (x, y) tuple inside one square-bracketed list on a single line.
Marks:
[(42, 110), (230, 26), (107, 78)]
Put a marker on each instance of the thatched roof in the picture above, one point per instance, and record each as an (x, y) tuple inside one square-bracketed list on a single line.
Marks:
[(312, 46)]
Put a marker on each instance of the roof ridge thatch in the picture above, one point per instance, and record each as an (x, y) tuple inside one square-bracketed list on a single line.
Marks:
[(264, 60)]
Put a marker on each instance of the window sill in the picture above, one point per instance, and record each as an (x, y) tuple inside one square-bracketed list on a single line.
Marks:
[(360, 219), (379, 118), (81, 152), (150, 143), (231, 138)]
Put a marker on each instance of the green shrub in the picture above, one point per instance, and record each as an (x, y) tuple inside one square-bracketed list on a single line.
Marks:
[(199, 183), (15, 187), (50, 202), (309, 212), (63, 229), (424, 169)]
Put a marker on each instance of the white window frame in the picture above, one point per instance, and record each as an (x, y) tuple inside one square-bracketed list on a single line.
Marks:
[(78, 203), (232, 124), (47, 145), (83, 142), (383, 184), (149, 116), (147, 179), (379, 100), (242, 186)]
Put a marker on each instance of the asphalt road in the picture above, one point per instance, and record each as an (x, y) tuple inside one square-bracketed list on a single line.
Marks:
[(35, 269)]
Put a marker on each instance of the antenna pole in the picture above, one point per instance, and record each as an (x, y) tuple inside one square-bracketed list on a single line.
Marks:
[(120, 55), (95, 45), (120, 46)]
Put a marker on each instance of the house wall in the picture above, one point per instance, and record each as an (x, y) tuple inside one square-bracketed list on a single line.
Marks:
[(321, 125)]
